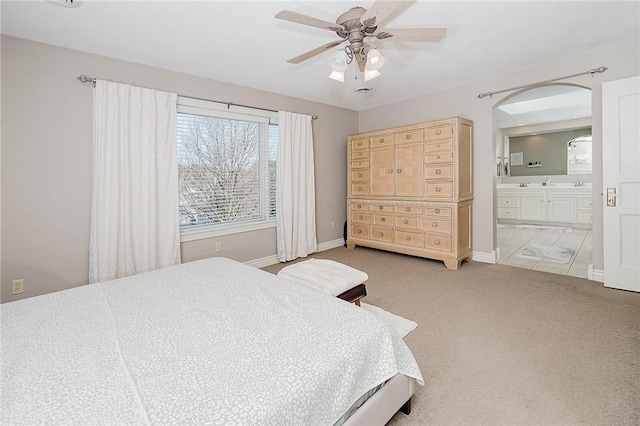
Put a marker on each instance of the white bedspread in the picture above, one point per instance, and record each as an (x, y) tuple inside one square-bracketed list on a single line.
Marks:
[(213, 341)]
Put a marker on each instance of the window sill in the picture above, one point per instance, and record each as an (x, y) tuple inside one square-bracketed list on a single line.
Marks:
[(213, 231)]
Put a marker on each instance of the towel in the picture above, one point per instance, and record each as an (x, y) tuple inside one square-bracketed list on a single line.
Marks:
[(325, 275)]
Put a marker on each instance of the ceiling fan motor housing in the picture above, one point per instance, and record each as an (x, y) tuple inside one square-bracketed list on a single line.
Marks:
[(354, 29)]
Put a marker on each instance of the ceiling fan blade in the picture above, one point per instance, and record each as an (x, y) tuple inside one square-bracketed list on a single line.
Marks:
[(378, 12), (314, 52), (429, 35), (299, 18)]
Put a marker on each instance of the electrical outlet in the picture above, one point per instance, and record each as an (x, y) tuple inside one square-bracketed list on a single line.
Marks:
[(218, 246), (17, 286), (333, 224)]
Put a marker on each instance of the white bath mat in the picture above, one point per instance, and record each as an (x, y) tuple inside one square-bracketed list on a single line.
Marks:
[(547, 253), (546, 228), (402, 325)]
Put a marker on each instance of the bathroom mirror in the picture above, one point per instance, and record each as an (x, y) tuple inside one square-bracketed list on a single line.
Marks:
[(534, 128)]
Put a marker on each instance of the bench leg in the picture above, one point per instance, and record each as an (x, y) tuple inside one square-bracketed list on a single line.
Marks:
[(357, 302)]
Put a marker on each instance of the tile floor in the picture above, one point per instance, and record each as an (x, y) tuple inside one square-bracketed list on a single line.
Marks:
[(512, 239)]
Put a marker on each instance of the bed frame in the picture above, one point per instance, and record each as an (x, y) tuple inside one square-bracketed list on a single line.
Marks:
[(392, 397)]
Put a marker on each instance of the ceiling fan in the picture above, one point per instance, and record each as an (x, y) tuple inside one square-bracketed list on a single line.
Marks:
[(355, 26)]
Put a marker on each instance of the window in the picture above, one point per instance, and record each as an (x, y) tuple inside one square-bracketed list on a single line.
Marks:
[(226, 168)]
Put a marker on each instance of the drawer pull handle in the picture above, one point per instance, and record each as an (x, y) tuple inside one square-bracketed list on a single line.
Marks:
[(438, 132), (380, 234), (360, 217), (381, 207), (382, 219), (399, 171), (359, 206), (406, 221), (381, 140), (437, 157), (359, 143), (407, 209), (438, 171), (408, 238), (408, 137), (359, 231), (438, 189), (437, 242), (390, 171), (434, 224), (437, 211), (359, 189), (437, 145)]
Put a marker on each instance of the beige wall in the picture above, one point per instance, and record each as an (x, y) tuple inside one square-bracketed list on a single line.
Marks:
[(47, 150), (623, 60)]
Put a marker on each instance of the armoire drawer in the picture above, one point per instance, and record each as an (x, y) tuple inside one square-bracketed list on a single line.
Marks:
[(413, 239), (438, 211), (438, 157), (410, 136), (438, 146), (382, 234), (360, 188), (360, 231), (381, 141), (406, 222), (382, 219), (360, 217), (359, 206), (435, 225), (444, 171), (408, 209), (439, 132), (360, 175), (438, 242), (438, 189), (362, 143)]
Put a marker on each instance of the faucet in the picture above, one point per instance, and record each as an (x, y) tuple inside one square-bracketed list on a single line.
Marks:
[(578, 183), (547, 182), (523, 184)]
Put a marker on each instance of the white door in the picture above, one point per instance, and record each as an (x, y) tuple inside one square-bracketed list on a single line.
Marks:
[(621, 182)]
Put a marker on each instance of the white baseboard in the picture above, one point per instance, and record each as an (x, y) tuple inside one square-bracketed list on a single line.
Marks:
[(595, 274), (272, 260), (480, 256)]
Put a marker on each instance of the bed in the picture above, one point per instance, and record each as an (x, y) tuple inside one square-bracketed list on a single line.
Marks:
[(213, 341)]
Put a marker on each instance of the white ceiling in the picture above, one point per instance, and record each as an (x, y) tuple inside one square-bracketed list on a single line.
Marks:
[(241, 42)]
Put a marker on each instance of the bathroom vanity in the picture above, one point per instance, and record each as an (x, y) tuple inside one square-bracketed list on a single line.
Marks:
[(555, 204)]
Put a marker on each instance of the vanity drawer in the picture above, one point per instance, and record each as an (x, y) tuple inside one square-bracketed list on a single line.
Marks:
[(360, 231), (383, 219), (360, 217), (585, 216), (382, 234), (507, 202), (408, 209), (444, 171), (360, 188), (381, 141), (413, 239), (362, 143), (438, 242), (438, 211), (406, 222), (585, 203), (410, 136), (436, 225), (439, 132), (360, 175), (438, 189), (507, 212)]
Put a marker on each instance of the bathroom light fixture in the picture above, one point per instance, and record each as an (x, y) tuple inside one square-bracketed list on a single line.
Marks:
[(66, 3)]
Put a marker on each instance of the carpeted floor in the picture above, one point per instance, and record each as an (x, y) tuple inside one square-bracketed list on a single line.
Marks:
[(504, 345)]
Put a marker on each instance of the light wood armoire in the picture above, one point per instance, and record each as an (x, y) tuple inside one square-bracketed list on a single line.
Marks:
[(410, 190)]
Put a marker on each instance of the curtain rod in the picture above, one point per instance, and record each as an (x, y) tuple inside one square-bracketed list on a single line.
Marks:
[(85, 79), (592, 72)]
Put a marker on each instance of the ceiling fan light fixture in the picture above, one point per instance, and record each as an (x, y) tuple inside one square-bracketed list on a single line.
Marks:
[(339, 62), (375, 60), (371, 74), (337, 76)]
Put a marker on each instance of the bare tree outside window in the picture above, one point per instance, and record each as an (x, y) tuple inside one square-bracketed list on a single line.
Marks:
[(220, 170)]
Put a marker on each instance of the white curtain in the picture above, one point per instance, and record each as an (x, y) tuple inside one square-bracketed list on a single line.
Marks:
[(134, 209), (295, 188)]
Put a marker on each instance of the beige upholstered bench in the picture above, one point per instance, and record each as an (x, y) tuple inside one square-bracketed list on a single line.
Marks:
[(330, 277)]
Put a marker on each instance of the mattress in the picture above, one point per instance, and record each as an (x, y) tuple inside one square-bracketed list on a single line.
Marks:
[(212, 341)]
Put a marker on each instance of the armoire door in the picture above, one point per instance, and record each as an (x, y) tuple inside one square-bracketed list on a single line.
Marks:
[(383, 173), (409, 170)]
